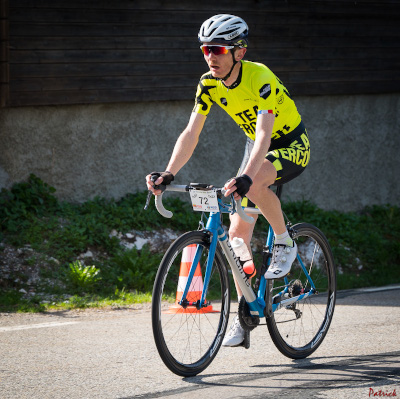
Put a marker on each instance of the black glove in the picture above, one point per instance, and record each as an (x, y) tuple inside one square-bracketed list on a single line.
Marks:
[(243, 184), (168, 177)]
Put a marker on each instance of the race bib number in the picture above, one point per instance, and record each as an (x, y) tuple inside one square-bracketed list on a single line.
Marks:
[(204, 201)]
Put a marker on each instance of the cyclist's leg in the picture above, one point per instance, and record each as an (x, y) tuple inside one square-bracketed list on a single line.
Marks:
[(268, 204), (239, 228), (266, 200), (271, 209), (284, 249), (277, 167), (288, 163)]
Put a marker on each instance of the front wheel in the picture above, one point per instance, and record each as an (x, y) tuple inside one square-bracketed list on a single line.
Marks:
[(298, 329), (188, 338)]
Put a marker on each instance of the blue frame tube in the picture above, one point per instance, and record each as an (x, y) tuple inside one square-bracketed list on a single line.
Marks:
[(213, 223), (263, 282), (196, 259)]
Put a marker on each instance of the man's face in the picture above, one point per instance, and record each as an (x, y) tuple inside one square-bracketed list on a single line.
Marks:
[(219, 65)]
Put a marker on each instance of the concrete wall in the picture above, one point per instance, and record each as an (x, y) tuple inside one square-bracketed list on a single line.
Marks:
[(106, 150)]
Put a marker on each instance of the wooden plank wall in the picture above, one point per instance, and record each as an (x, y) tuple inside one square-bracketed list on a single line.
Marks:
[(4, 53), (102, 51)]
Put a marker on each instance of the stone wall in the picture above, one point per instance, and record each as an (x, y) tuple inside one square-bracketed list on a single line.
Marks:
[(106, 150)]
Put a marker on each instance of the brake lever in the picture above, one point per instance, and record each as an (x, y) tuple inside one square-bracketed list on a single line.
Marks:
[(149, 194), (233, 204), (148, 200)]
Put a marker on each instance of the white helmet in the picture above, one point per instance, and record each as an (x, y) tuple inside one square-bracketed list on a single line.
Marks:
[(224, 28)]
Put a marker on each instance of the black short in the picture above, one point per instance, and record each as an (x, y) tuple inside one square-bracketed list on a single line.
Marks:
[(290, 160)]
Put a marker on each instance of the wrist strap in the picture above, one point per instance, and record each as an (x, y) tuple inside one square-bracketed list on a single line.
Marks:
[(248, 178)]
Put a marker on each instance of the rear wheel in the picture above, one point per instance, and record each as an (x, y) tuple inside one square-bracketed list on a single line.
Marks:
[(188, 338), (299, 328)]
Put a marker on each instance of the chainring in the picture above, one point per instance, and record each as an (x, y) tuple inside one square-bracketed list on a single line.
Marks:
[(247, 321)]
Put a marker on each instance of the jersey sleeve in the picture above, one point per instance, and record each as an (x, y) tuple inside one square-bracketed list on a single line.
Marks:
[(265, 87), (204, 98)]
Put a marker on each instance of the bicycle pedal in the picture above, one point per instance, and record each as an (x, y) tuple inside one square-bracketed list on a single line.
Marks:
[(246, 341)]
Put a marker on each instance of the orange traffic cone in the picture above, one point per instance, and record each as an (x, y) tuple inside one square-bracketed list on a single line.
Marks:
[(196, 287)]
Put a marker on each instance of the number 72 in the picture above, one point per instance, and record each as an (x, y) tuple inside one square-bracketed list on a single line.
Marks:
[(203, 200)]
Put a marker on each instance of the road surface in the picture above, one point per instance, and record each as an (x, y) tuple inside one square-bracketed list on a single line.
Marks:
[(111, 354)]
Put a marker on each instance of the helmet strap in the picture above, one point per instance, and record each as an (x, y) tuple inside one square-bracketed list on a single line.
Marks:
[(233, 66)]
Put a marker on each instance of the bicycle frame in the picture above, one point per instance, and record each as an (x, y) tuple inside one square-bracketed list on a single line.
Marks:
[(190, 333), (261, 305)]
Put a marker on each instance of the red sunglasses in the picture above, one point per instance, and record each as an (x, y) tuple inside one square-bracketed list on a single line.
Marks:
[(215, 49)]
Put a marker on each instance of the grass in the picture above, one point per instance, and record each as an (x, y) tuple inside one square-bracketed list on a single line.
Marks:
[(366, 246), (12, 300), (120, 299)]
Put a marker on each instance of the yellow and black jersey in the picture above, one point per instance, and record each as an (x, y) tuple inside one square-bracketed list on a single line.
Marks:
[(257, 90)]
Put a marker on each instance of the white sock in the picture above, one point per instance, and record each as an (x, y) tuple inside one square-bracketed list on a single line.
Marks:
[(284, 239)]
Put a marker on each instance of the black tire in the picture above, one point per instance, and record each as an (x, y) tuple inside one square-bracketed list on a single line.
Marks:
[(299, 329), (187, 339)]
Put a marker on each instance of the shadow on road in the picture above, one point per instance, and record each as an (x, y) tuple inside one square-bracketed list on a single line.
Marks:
[(369, 369), (302, 378)]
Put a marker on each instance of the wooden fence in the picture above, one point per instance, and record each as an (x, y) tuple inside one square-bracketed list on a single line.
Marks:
[(101, 51)]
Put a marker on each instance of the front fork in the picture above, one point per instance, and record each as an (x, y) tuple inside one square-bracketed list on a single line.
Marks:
[(211, 237)]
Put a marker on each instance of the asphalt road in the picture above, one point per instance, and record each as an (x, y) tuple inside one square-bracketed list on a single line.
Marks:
[(111, 354)]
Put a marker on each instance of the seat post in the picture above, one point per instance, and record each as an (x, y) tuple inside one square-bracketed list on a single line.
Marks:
[(279, 191)]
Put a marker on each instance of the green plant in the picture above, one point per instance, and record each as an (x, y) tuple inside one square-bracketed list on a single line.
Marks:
[(23, 201), (83, 276), (134, 269)]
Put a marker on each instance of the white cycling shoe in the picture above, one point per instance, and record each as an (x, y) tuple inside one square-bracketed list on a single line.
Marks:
[(281, 263), (235, 336)]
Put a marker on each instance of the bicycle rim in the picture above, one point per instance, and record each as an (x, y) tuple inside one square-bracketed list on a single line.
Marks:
[(298, 329), (189, 339)]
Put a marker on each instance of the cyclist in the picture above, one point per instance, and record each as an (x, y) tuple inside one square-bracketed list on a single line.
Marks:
[(277, 148)]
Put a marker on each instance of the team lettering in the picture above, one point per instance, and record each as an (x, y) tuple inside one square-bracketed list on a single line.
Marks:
[(298, 153), (249, 117)]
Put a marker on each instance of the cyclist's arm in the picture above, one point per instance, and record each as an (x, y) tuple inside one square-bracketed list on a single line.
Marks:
[(186, 143), (265, 123), (183, 149)]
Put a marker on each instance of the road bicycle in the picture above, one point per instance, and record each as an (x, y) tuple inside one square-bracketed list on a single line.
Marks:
[(191, 294)]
